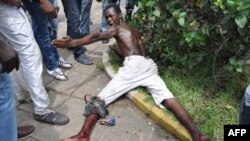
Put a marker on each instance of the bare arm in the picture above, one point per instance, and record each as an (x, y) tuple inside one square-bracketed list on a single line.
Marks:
[(67, 42)]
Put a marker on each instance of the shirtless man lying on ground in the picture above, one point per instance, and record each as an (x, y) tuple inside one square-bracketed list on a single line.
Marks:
[(137, 70)]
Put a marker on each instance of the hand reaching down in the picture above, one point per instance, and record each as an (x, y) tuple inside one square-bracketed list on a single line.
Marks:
[(64, 42)]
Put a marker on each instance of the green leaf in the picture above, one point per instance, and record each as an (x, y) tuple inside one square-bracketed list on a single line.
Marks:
[(243, 7), (183, 14), (232, 61), (231, 2), (239, 69), (241, 20), (176, 13), (150, 3), (181, 21), (157, 13)]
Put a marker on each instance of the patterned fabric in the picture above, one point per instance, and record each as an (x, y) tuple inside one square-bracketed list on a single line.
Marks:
[(96, 105)]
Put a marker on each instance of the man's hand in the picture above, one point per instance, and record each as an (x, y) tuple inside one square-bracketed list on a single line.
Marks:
[(8, 57), (13, 2), (48, 8), (64, 42)]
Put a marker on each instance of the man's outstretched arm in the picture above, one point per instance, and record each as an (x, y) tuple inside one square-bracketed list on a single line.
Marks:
[(67, 42)]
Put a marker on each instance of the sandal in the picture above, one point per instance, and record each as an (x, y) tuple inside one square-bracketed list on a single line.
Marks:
[(109, 122), (87, 98)]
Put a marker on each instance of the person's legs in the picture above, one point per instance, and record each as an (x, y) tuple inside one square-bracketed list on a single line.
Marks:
[(129, 6), (53, 28), (163, 97), (182, 115), (123, 82), (86, 130), (85, 17), (41, 32), (15, 26), (17, 30), (41, 23), (73, 12), (7, 109), (21, 88), (244, 118)]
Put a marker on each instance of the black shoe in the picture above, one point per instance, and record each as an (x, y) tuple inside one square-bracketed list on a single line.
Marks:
[(25, 131), (53, 118), (83, 59)]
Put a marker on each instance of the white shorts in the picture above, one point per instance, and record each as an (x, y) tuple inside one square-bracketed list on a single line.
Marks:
[(136, 71)]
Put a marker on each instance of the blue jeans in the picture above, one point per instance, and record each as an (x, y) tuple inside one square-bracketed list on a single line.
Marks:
[(8, 128), (40, 24), (105, 3), (53, 24), (85, 17), (78, 19), (53, 28), (245, 108)]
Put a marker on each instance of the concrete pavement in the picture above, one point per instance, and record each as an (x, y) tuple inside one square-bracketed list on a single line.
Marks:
[(67, 97)]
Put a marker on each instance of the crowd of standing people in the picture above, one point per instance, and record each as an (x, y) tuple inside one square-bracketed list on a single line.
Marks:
[(26, 46)]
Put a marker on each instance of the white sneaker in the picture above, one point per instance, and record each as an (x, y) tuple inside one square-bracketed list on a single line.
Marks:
[(58, 74), (64, 64)]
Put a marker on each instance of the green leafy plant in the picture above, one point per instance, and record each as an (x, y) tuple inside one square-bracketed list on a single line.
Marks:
[(190, 34)]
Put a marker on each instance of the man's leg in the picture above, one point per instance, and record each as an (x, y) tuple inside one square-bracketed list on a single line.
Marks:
[(94, 110), (245, 108), (85, 17), (87, 128), (118, 86), (182, 115), (164, 98), (21, 37), (7, 109), (21, 88), (129, 6), (40, 26), (20, 34), (73, 12)]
